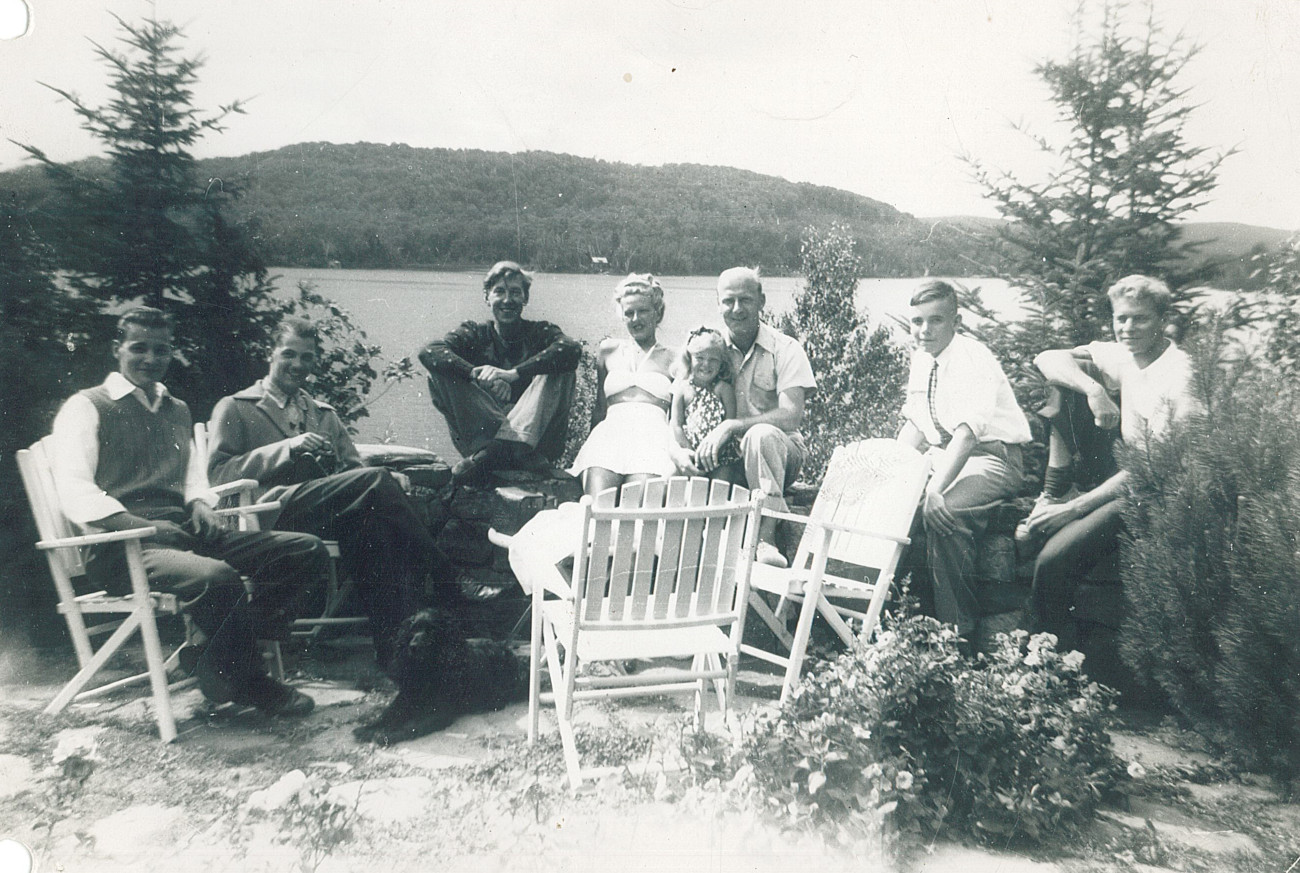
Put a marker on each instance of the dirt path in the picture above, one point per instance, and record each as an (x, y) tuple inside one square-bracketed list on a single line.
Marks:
[(93, 790)]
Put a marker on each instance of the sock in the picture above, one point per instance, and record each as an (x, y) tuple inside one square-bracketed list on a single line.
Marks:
[(1057, 481)]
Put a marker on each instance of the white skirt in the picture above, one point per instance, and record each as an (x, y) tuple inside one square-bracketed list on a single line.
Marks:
[(633, 438)]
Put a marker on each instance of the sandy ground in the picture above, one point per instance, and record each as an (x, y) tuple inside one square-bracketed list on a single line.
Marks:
[(94, 790)]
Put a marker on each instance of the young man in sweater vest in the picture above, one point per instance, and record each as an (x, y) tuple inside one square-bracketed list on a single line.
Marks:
[(123, 461)]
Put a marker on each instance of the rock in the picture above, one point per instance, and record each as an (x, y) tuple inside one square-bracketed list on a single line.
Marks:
[(137, 831), (16, 775), (968, 860), (330, 694), (472, 504), (82, 742), (1217, 842), (277, 796), (387, 801)]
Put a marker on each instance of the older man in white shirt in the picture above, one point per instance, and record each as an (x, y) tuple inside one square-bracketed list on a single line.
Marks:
[(772, 378), (960, 405)]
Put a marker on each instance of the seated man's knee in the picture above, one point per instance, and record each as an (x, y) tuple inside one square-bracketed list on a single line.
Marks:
[(763, 436)]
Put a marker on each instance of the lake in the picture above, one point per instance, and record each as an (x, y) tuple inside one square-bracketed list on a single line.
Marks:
[(402, 310)]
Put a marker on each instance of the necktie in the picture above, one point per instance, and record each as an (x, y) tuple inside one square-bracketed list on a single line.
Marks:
[(944, 436)]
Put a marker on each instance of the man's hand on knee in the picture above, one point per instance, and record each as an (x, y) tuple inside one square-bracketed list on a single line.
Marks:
[(706, 453), (938, 517)]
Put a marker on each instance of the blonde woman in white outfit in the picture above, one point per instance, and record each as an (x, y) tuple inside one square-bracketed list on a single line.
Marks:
[(631, 438)]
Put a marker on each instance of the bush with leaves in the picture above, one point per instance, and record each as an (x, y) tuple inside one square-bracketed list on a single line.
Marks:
[(1211, 565), (861, 372), (905, 734)]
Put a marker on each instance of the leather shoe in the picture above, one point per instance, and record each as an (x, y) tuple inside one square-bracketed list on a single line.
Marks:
[(480, 462)]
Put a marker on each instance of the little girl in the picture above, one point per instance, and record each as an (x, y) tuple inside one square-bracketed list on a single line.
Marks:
[(706, 397)]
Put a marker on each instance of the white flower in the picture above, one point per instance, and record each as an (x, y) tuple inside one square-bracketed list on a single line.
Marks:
[(1059, 743), (903, 780), (1072, 661), (1033, 659), (1136, 770)]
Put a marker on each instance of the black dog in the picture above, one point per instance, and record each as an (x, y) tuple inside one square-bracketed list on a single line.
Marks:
[(440, 676)]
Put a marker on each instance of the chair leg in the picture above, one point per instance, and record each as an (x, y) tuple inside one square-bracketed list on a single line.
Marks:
[(799, 649), (719, 685), (84, 675), (157, 673), (535, 674), (836, 621), (759, 605), (562, 672)]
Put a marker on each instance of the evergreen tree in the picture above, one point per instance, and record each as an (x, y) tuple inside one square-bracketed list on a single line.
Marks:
[(146, 229), (861, 372), (1120, 179)]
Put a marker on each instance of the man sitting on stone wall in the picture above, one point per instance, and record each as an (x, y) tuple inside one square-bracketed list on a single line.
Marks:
[(298, 450), (772, 378), (1154, 378), (504, 386), (960, 405)]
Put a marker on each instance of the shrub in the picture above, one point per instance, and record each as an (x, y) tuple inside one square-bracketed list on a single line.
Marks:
[(861, 372), (904, 733), (1211, 569)]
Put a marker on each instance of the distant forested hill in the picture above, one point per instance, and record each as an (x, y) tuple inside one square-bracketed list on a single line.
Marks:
[(368, 205)]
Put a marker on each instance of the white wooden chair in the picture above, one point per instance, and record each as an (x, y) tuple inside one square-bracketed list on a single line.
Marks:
[(335, 591), (664, 574), (846, 559), (63, 551)]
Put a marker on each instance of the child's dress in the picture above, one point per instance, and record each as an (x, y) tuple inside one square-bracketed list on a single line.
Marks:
[(703, 414)]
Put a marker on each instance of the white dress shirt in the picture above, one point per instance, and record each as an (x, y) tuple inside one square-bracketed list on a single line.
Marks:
[(971, 389), (76, 455)]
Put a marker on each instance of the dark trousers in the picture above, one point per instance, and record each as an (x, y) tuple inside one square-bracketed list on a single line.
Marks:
[(1073, 551), (383, 543), (205, 573), (993, 473)]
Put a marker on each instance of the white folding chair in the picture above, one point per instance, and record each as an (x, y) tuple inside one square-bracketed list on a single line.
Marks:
[(63, 546), (664, 574), (846, 559)]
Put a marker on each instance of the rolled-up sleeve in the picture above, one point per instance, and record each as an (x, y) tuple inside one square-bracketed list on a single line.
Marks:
[(76, 457)]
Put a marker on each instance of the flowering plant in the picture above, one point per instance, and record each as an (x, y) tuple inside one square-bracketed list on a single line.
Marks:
[(902, 736)]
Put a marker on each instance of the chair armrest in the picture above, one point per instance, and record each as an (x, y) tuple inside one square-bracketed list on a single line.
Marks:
[(112, 536), (832, 526), (499, 539), (250, 509), (236, 487)]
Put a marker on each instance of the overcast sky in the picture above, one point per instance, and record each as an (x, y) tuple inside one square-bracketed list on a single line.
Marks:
[(875, 96)]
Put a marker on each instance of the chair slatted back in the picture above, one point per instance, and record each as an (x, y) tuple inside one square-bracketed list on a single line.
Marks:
[(37, 471), (664, 550), (872, 485)]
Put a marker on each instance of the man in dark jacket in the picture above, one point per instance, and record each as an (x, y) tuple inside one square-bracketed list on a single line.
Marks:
[(504, 386)]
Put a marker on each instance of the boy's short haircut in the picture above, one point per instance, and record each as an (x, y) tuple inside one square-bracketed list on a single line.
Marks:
[(931, 290), (503, 270), (1143, 290), (146, 317)]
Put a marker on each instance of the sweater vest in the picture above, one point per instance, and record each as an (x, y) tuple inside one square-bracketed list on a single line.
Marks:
[(143, 455)]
